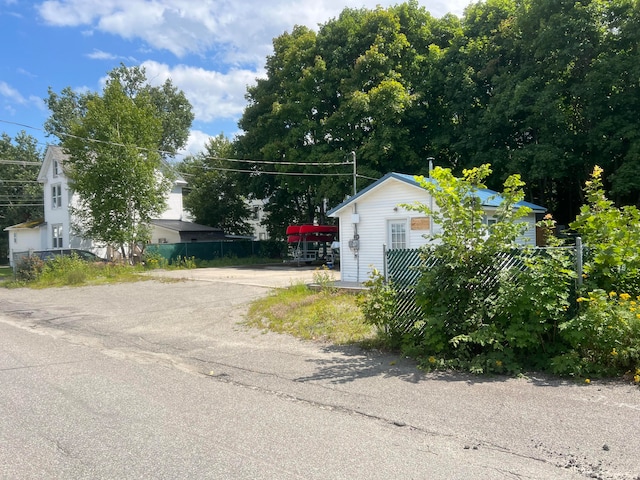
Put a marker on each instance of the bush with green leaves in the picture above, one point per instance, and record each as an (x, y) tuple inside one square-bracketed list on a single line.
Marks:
[(378, 302), (611, 236), (476, 313), (29, 268), (484, 316), (604, 336), (153, 260)]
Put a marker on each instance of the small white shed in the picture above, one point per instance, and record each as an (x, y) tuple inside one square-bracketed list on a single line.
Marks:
[(24, 237), (373, 220)]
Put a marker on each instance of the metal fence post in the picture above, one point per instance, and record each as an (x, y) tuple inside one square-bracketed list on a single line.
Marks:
[(579, 260), (384, 262)]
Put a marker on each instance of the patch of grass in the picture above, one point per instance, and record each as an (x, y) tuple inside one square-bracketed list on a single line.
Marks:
[(325, 315), (6, 273), (72, 271)]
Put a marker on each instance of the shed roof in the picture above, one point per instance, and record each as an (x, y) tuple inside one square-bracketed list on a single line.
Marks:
[(26, 225), (182, 226), (489, 198)]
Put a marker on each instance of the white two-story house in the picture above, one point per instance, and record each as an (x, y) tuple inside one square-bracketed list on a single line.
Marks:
[(56, 230)]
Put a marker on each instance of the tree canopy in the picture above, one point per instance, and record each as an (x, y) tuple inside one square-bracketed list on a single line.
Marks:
[(544, 88), (216, 192), (20, 192), (115, 142)]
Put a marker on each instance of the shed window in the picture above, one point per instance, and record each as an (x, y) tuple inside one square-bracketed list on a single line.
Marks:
[(398, 234)]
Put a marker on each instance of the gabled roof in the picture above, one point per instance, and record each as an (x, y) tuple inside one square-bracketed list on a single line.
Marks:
[(489, 198), (52, 152)]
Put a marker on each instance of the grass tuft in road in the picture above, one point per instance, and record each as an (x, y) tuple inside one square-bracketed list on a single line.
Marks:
[(325, 315)]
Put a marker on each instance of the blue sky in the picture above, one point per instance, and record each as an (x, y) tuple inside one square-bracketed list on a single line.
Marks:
[(211, 49)]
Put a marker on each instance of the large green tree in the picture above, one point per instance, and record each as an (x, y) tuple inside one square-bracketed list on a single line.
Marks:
[(116, 141), (216, 195), (351, 87), (171, 106), (544, 88), (20, 192)]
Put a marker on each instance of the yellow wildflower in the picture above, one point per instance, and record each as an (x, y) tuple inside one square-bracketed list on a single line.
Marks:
[(633, 302), (612, 294), (597, 172), (636, 378), (625, 296), (582, 299), (432, 360), (498, 363), (587, 381), (613, 352)]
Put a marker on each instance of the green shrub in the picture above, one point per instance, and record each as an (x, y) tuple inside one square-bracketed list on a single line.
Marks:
[(377, 303), (604, 336), (153, 260), (29, 269), (469, 321), (611, 236)]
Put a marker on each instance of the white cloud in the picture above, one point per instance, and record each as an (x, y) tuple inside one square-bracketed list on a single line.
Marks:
[(213, 95), (13, 97), (102, 55), (195, 143), (11, 94), (240, 31)]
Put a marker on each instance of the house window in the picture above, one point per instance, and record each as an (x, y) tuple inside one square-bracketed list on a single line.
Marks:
[(56, 231), (490, 221), (56, 168), (397, 234), (56, 196)]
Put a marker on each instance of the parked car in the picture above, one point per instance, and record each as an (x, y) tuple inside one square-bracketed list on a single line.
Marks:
[(67, 252)]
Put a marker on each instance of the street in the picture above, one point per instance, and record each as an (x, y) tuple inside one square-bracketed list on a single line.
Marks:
[(159, 379)]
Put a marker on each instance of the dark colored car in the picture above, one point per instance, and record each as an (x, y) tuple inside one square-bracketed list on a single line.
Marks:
[(82, 254)]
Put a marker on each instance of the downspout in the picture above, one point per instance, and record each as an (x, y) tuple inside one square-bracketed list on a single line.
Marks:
[(356, 237)]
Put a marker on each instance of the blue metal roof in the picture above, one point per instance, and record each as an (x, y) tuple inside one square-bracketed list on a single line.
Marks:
[(489, 198)]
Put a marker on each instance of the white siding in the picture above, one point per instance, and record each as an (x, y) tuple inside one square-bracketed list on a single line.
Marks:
[(25, 239), (174, 209), (375, 209)]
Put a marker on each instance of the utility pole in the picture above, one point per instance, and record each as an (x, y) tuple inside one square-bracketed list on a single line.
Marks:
[(355, 173)]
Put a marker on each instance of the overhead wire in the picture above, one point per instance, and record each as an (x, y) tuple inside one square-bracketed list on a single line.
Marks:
[(197, 156)]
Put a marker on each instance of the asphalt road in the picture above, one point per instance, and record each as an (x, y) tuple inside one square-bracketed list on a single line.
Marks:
[(159, 379)]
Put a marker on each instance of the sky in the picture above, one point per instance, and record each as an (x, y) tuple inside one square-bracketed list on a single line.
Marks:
[(211, 49)]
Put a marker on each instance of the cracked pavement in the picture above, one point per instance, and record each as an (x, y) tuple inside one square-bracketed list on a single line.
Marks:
[(159, 379)]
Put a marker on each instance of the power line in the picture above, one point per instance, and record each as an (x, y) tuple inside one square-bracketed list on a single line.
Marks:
[(262, 172), (18, 162), (162, 152), (5, 205), (18, 181)]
